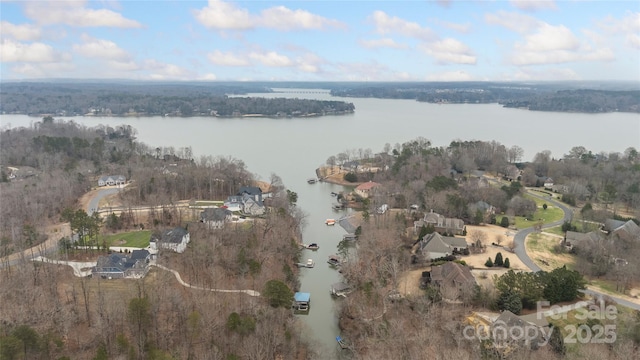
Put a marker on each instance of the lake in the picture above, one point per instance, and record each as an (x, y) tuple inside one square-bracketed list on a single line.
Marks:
[(294, 148)]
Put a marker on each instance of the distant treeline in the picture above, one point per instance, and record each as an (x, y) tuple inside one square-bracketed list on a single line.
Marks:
[(565, 97), (151, 99)]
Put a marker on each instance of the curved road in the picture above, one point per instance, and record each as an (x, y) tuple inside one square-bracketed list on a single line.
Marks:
[(521, 251)]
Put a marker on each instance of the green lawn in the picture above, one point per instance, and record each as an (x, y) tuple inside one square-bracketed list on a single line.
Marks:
[(551, 214), (208, 203), (139, 239)]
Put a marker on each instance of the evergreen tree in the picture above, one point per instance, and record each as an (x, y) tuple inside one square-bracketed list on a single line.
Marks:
[(506, 264), (488, 263), (498, 261), (504, 222), (510, 300), (556, 341)]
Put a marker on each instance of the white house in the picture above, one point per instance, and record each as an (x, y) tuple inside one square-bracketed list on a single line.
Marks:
[(173, 239), (111, 180)]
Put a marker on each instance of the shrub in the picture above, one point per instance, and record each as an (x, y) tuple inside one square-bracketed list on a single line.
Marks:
[(504, 222), (489, 263), (498, 261), (351, 177), (506, 263)]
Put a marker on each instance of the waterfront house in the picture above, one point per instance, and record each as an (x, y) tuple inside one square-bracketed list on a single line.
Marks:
[(249, 200), (364, 190), (118, 266), (215, 218), (175, 239)]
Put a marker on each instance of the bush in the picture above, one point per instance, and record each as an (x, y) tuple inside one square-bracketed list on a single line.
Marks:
[(506, 263), (351, 177), (504, 222), (489, 263)]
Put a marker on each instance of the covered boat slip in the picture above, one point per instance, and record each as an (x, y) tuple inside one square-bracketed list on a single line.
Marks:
[(301, 301)]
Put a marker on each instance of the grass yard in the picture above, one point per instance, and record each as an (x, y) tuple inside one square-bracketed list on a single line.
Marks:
[(551, 214), (139, 239), (208, 203), (541, 249)]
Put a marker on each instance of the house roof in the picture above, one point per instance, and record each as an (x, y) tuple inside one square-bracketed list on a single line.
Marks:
[(434, 243), (452, 273), (251, 190), (215, 214), (611, 224), (367, 186), (457, 242), (574, 236), (302, 296), (174, 235), (139, 254), (628, 231), (113, 177)]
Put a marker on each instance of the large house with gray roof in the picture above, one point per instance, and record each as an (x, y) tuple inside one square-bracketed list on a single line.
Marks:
[(215, 218), (434, 245), (117, 265), (440, 223), (175, 239)]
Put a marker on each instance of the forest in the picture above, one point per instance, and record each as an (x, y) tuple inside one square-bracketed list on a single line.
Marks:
[(48, 313), (447, 180), (114, 99), (562, 97)]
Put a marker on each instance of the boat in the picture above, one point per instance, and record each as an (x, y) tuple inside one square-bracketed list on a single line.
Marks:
[(312, 246), (330, 222), (334, 193), (337, 207), (312, 180), (334, 260), (310, 263)]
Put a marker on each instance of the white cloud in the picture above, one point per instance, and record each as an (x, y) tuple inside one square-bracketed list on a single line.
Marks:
[(549, 38), (386, 24), (533, 5), (271, 58), (513, 21), (43, 70), (13, 51), (451, 76), (99, 48), (461, 28), (74, 13), (450, 51), (627, 27), (282, 18), (382, 43), (223, 15), (227, 59), (208, 77), (163, 71), (23, 32), (555, 45), (633, 40)]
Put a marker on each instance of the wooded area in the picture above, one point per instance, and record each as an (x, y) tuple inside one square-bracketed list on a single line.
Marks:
[(47, 313), (77, 99)]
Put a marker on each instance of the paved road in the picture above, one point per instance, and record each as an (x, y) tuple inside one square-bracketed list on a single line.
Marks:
[(93, 204), (521, 235), (521, 251)]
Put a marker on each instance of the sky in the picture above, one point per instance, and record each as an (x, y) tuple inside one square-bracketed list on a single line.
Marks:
[(328, 40)]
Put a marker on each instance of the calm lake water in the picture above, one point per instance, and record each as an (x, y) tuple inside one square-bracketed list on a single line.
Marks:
[(294, 148)]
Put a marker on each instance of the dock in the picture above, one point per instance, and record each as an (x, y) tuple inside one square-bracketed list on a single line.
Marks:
[(340, 289), (301, 301)]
